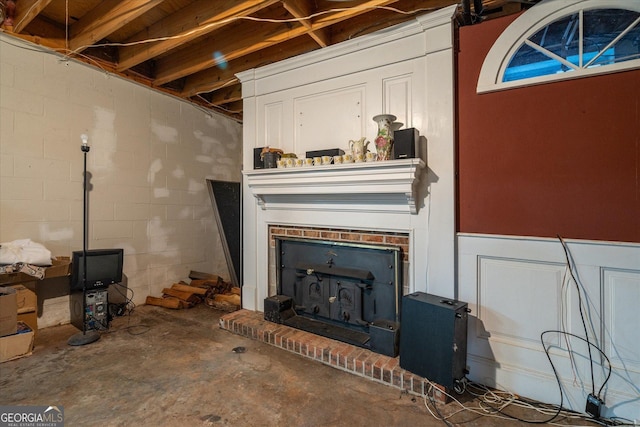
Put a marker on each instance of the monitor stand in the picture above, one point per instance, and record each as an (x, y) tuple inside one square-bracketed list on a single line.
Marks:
[(82, 338)]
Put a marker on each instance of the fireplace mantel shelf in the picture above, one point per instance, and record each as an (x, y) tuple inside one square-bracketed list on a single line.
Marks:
[(388, 186)]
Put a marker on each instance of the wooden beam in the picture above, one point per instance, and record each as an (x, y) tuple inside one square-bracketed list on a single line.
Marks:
[(300, 9), (381, 18), (55, 44), (27, 10), (104, 19), (227, 95), (234, 107), (216, 77), (195, 20), (247, 39)]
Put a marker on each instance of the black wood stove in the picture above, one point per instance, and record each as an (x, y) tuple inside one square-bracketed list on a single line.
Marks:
[(345, 291)]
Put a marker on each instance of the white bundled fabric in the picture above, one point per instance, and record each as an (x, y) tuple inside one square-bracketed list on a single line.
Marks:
[(24, 250)]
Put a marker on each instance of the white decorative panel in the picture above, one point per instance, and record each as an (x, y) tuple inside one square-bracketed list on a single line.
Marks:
[(621, 294), (329, 119), (273, 124), (397, 98), (518, 286), (517, 299)]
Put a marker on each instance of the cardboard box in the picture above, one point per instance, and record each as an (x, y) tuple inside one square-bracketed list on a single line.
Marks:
[(31, 319), (8, 311), (59, 267), (26, 299), (17, 345)]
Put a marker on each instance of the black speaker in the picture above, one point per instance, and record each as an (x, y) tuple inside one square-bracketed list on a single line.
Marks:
[(433, 338), (404, 143), (258, 163), (383, 337), (278, 308)]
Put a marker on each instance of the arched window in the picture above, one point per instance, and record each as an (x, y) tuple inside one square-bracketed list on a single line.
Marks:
[(557, 40)]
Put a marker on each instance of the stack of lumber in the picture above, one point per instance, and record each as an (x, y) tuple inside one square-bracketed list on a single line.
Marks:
[(206, 287)]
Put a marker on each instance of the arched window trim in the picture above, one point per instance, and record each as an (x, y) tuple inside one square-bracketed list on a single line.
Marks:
[(530, 22)]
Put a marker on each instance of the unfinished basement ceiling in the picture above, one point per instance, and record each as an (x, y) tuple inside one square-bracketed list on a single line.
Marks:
[(194, 48)]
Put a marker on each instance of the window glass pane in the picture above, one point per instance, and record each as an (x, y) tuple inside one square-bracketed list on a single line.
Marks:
[(528, 62), (562, 38), (602, 26)]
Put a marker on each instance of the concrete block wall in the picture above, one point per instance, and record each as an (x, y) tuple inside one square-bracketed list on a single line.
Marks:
[(150, 157)]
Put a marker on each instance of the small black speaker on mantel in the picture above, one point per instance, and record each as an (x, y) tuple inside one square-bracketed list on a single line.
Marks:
[(404, 143), (258, 163)]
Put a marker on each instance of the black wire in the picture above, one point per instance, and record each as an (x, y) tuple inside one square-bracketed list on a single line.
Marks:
[(584, 324), (129, 301), (435, 407), (555, 372), (130, 308), (588, 343)]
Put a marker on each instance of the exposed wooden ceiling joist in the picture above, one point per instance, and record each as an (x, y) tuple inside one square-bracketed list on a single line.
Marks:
[(195, 48)]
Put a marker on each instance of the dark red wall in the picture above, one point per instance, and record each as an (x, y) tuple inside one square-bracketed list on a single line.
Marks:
[(560, 158)]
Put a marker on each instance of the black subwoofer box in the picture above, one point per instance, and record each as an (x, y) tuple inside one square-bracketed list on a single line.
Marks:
[(404, 143), (383, 337), (433, 338)]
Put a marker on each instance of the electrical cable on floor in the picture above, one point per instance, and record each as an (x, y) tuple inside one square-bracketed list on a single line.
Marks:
[(130, 307), (440, 417), (489, 398)]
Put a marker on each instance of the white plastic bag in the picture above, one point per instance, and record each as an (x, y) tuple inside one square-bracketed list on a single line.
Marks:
[(24, 250)]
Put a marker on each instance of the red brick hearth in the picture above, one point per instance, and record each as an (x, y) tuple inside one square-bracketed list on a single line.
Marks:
[(349, 358)]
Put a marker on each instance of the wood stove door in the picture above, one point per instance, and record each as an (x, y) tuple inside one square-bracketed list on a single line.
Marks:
[(313, 296), (332, 298), (346, 302)]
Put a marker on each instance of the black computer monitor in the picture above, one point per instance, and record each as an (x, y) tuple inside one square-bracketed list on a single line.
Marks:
[(104, 267)]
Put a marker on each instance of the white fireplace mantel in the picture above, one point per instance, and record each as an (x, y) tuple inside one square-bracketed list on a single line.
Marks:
[(314, 101), (387, 186)]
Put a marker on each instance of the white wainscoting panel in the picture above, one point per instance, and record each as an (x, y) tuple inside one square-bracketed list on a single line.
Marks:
[(519, 287), (512, 293), (621, 327)]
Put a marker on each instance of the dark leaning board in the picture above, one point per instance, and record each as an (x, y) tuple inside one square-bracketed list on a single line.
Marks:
[(225, 198)]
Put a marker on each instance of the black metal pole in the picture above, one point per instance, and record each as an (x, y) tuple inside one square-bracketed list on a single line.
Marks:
[(82, 338), (85, 149)]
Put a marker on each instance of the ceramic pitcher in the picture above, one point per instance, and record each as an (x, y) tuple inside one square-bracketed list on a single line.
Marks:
[(358, 147)]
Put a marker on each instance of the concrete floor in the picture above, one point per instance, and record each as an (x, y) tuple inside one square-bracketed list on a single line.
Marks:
[(160, 367)]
